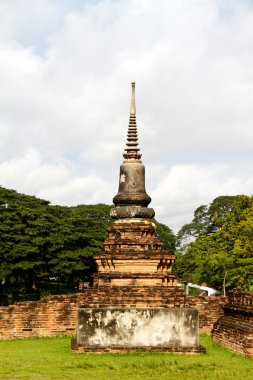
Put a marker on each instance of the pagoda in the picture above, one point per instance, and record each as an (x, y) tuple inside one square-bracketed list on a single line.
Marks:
[(134, 302), (132, 255)]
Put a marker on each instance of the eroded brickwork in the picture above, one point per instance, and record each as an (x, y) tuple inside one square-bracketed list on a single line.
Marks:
[(133, 256), (51, 316), (234, 330), (210, 309), (56, 315)]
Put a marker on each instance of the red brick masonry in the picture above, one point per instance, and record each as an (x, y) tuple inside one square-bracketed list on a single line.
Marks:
[(56, 315), (234, 330)]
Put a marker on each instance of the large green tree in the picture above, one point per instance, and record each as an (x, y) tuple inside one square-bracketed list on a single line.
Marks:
[(39, 241), (24, 224), (208, 218), (75, 239), (221, 254)]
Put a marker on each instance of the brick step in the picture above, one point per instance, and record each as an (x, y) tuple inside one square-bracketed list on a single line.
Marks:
[(133, 290), (166, 293), (122, 299), (113, 300), (133, 296), (136, 288), (137, 297), (123, 293), (134, 299), (133, 303)]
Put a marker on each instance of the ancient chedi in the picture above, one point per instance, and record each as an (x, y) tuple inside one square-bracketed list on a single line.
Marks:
[(134, 301), (132, 255)]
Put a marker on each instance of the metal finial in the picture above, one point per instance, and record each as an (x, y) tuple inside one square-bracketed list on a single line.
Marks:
[(133, 108)]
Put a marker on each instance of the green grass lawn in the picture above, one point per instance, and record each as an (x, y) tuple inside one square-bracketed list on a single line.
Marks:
[(50, 358)]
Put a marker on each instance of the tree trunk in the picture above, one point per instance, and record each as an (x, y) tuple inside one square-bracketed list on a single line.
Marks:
[(224, 283)]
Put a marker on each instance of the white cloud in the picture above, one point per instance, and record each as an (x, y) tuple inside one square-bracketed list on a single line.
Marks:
[(56, 181), (185, 187), (65, 73)]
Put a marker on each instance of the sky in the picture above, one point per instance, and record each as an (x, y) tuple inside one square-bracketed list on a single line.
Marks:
[(65, 82)]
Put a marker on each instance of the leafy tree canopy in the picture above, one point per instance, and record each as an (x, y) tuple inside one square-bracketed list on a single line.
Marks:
[(166, 236), (221, 254), (208, 218), (39, 241)]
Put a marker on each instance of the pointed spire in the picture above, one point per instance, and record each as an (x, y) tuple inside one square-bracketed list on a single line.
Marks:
[(132, 150), (133, 108)]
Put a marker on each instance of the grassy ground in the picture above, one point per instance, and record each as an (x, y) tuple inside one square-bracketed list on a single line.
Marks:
[(50, 358)]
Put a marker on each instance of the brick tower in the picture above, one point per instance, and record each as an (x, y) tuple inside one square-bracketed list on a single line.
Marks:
[(132, 255)]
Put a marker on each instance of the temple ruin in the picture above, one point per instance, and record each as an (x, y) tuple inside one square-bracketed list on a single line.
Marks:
[(143, 307), (234, 329)]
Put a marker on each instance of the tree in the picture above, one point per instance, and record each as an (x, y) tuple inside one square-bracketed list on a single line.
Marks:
[(222, 255), (166, 236), (78, 235), (23, 222), (208, 218), (39, 241)]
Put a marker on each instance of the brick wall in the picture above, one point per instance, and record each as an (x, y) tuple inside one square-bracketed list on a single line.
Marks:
[(234, 334), (51, 316), (210, 310), (56, 315), (234, 330)]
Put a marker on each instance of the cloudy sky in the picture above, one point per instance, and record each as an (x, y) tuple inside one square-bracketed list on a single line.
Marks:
[(65, 74)]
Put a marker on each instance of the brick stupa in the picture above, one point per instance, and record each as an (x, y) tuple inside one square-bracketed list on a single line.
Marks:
[(134, 301), (132, 255)]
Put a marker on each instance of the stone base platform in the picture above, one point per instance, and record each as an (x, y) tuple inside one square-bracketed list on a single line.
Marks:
[(122, 350), (124, 329)]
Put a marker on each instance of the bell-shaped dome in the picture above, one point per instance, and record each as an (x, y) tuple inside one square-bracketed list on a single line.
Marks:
[(132, 200)]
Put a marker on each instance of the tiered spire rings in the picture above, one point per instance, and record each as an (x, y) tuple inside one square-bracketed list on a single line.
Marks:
[(132, 150)]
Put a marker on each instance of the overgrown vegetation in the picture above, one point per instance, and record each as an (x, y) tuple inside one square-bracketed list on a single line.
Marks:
[(50, 358)]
